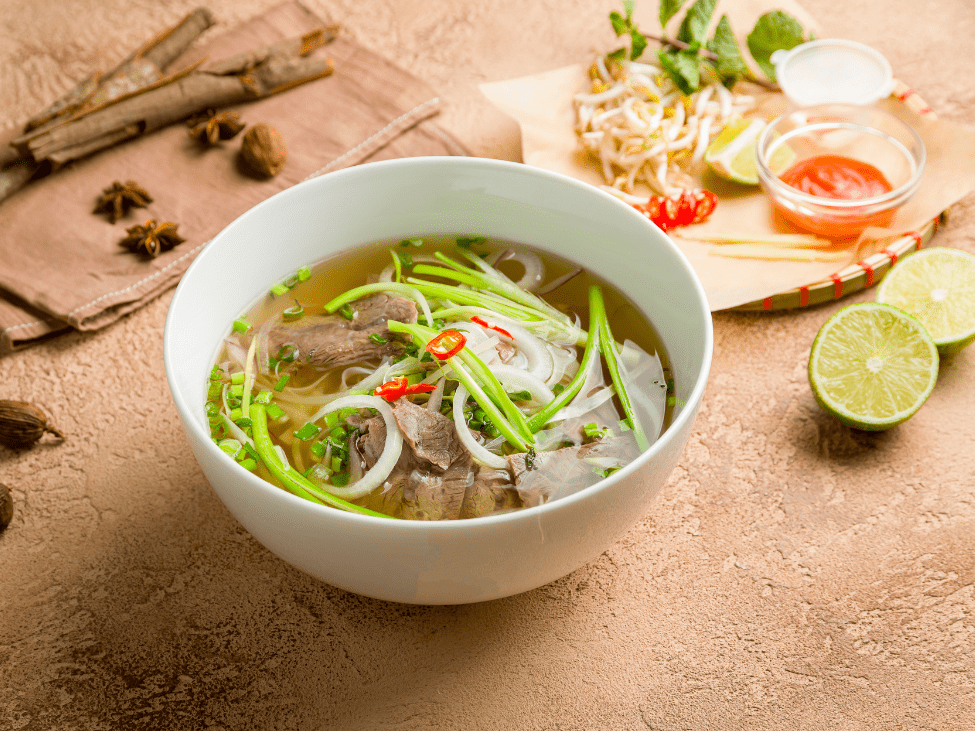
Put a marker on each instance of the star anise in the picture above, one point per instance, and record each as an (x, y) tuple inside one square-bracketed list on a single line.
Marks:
[(212, 126), (152, 238), (120, 197)]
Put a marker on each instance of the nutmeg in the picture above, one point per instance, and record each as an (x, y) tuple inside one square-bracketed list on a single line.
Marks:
[(22, 424), (262, 151), (6, 506)]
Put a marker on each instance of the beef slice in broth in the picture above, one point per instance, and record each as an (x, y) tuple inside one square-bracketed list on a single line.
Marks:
[(332, 340), (435, 477), (565, 471)]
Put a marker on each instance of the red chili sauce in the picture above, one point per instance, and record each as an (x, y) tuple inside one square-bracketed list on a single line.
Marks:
[(838, 178)]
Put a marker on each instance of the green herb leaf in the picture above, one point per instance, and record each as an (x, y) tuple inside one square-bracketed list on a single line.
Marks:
[(638, 43), (683, 67), (695, 24), (618, 55), (774, 31), (668, 9), (731, 64), (620, 24)]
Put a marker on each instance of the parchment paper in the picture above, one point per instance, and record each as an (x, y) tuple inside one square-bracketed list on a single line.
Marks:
[(542, 106)]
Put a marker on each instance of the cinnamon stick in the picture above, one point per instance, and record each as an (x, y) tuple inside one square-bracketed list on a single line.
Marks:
[(142, 68), (246, 77)]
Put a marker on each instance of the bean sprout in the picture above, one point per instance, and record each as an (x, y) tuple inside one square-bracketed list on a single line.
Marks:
[(638, 125)]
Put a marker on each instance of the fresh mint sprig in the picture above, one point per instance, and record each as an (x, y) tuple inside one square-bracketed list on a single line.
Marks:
[(683, 57)]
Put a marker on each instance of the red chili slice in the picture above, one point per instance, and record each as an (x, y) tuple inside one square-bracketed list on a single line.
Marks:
[(691, 206), (446, 344), (399, 387), (392, 390), (484, 323)]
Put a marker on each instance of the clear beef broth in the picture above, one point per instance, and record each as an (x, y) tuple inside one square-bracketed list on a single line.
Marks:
[(334, 276)]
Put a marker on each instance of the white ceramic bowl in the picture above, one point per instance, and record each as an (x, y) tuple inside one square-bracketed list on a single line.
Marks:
[(450, 562)]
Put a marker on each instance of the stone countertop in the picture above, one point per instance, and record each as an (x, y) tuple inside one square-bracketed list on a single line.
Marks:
[(793, 574)]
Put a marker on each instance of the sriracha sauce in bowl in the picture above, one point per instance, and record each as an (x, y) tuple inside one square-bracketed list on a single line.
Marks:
[(847, 167)]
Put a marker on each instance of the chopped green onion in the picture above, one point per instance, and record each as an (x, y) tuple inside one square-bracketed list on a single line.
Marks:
[(287, 353), (307, 432), (398, 266), (336, 464), (263, 397), (520, 396), (237, 378), (303, 274), (279, 289), (339, 433), (235, 414), (340, 479), (274, 411), (236, 390), (248, 464), (241, 325), (318, 449), (214, 390), (347, 312), (331, 419), (282, 382), (378, 339), (412, 242), (594, 431), (466, 243), (293, 313), (230, 446), (243, 422)]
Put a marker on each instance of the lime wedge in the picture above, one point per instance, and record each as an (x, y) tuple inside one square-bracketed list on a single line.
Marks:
[(937, 286), (872, 366), (733, 153)]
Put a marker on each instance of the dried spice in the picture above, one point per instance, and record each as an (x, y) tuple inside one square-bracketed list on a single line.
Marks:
[(6, 506), (263, 152), (22, 424), (120, 197), (152, 238), (212, 126)]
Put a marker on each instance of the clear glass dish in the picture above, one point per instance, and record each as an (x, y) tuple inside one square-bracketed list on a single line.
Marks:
[(864, 135)]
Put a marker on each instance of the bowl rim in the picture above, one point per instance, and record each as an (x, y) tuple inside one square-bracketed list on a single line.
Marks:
[(773, 181), (534, 513)]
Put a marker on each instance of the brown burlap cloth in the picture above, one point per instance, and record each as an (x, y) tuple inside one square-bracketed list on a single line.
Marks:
[(61, 266)]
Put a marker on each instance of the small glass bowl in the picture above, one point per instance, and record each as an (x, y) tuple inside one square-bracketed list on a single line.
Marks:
[(864, 134)]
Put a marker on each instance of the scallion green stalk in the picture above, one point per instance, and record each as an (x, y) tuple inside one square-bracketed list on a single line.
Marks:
[(575, 385), (607, 345), (293, 481), (367, 289), (421, 337)]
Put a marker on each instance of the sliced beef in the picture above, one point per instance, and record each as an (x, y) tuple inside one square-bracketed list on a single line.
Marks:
[(491, 491), (435, 477), (332, 340), (565, 471), (434, 495), (432, 435)]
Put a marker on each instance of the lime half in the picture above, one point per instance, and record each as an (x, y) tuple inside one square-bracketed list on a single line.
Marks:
[(872, 366), (733, 153), (937, 286)]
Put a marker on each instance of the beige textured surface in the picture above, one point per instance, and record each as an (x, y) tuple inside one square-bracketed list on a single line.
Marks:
[(792, 575)]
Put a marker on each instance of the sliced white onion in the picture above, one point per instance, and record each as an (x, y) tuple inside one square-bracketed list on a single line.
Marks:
[(479, 453), (521, 379), (391, 451), (436, 396), (354, 371), (584, 405), (531, 280)]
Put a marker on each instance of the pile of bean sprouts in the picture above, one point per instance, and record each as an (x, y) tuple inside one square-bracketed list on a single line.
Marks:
[(641, 128)]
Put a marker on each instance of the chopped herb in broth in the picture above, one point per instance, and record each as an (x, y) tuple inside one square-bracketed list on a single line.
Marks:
[(432, 381)]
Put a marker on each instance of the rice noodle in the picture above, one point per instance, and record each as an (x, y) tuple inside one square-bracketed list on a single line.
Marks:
[(376, 476), (479, 453)]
